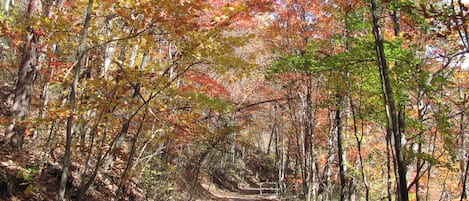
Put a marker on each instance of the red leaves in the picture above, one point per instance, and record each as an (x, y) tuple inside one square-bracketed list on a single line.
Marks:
[(54, 63), (39, 32), (67, 4), (205, 84)]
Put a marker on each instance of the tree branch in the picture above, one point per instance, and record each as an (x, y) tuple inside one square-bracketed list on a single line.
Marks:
[(239, 109)]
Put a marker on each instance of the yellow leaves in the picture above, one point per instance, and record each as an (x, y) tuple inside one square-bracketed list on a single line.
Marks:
[(163, 109), (99, 133), (3, 120), (414, 113), (184, 122), (220, 18), (148, 11), (28, 191), (15, 199), (54, 114), (206, 45), (30, 131), (123, 13)]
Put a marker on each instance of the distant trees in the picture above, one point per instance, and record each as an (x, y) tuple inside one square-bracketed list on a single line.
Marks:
[(372, 54)]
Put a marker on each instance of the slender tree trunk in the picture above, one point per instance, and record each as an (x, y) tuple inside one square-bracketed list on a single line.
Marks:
[(464, 34), (45, 86), (92, 134), (283, 160), (359, 147), (391, 111), (109, 50), (100, 161), (6, 8), (195, 169), (327, 175), (389, 157), (420, 106), (309, 180), (464, 184), (271, 136), (73, 104), (338, 123), (120, 140), (127, 169), (110, 158), (301, 148), (400, 135), (432, 149), (6, 5), (465, 156), (125, 127)]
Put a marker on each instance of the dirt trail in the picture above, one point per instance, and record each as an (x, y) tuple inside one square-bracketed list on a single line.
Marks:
[(248, 194)]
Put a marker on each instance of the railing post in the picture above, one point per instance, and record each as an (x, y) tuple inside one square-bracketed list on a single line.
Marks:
[(260, 188)]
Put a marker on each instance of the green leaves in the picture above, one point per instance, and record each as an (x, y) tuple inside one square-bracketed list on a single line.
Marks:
[(203, 101), (295, 63), (422, 156), (309, 62)]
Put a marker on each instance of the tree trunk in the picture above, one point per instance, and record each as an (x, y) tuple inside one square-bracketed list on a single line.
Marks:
[(127, 169), (110, 160), (464, 188), (338, 123), (72, 101), (391, 111), (310, 183), (464, 154), (359, 147), (6, 8), (15, 131), (109, 50), (100, 161)]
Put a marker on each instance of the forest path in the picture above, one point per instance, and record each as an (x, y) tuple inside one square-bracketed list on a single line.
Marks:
[(246, 194)]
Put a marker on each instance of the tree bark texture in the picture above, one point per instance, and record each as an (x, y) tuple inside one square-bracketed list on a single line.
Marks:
[(15, 131)]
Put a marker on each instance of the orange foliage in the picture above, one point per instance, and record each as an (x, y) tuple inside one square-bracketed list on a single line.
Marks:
[(201, 82)]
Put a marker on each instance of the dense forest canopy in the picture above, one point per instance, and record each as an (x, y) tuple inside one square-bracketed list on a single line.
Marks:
[(219, 99)]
